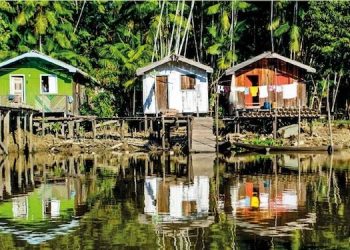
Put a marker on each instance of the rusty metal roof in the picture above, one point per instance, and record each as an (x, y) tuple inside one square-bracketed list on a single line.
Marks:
[(269, 55)]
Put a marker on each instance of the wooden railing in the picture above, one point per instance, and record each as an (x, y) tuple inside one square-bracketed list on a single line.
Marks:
[(43, 103), (54, 103)]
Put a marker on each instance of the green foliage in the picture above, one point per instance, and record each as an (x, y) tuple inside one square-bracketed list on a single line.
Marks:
[(101, 105), (214, 9), (112, 39), (281, 30), (264, 141)]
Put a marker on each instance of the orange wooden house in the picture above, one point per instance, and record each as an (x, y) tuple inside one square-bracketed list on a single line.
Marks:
[(268, 79)]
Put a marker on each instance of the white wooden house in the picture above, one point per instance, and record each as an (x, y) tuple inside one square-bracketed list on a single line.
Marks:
[(175, 83)]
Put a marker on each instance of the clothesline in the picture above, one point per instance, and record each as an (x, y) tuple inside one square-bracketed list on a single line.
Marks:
[(289, 91)]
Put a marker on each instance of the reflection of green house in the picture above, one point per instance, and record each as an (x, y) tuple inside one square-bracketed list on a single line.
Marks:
[(29, 218), (42, 82), (33, 208)]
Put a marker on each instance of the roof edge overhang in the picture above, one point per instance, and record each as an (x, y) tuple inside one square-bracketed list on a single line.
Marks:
[(173, 58), (269, 55)]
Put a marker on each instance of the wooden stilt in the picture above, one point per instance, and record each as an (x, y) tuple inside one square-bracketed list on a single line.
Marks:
[(311, 125), (274, 126), (6, 131), (299, 120), (25, 130), (2, 164), (151, 126), (163, 133), (30, 140), (70, 130), (146, 124), (8, 184), (77, 128), (1, 121), (122, 131), (63, 130), (93, 124), (31, 166), (19, 132), (189, 134), (43, 116)]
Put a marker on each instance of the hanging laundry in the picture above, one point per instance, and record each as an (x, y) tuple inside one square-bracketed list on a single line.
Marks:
[(246, 91), (263, 92), (240, 89), (249, 189), (289, 91), (279, 88), (220, 89), (254, 90)]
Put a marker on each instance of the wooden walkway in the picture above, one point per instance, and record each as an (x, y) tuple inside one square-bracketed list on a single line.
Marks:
[(203, 138)]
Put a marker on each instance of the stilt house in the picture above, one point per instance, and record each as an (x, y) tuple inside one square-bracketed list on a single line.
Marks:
[(268, 80), (42, 82), (175, 83)]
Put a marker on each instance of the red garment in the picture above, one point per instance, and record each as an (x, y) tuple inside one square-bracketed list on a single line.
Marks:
[(249, 189)]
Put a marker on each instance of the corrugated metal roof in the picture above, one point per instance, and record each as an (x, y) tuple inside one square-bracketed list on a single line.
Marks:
[(173, 58), (37, 54), (269, 55)]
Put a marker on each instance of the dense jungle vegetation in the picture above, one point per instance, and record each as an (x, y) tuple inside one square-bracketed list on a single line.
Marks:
[(111, 39)]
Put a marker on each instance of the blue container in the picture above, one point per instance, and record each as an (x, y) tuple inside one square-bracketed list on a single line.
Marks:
[(267, 105)]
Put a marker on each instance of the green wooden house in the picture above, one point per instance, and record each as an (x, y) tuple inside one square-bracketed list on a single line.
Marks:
[(42, 82)]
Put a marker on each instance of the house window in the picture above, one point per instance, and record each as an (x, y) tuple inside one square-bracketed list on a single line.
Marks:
[(48, 84), (188, 82)]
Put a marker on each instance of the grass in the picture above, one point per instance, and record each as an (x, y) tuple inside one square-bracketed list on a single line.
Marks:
[(264, 141)]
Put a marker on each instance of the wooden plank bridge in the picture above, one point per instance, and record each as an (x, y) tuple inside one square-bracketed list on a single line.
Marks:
[(202, 136)]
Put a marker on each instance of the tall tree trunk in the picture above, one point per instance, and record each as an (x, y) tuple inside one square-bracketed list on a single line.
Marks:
[(271, 30)]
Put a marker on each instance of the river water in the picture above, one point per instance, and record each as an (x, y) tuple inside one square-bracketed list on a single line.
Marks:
[(142, 201)]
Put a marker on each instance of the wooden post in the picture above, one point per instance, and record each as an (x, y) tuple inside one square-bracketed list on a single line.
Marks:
[(122, 131), (217, 122), (330, 148), (93, 125), (25, 130), (311, 125), (189, 134), (70, 129), (19, 132), (43, 116), (1, 118), (30, 140), (2, 164), (77, 128), (133, 102), (163, 133), (6, 131), (274, 125), (146, 124), (299, 118), (151, 127)]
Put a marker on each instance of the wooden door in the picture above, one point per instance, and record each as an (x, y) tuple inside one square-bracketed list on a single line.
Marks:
[(17, 88), (252, 81), (162, 93)]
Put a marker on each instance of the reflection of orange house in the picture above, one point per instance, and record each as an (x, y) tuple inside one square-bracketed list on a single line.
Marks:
[(273, 199), (273, 71)]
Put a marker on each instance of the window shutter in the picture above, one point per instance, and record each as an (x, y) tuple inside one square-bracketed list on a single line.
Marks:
[(52, 84)]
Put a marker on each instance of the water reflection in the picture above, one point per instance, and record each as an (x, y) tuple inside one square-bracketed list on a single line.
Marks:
[(164, 201)]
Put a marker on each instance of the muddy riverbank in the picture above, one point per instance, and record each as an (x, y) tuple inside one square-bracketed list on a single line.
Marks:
[(318, 135), (55, 144)]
